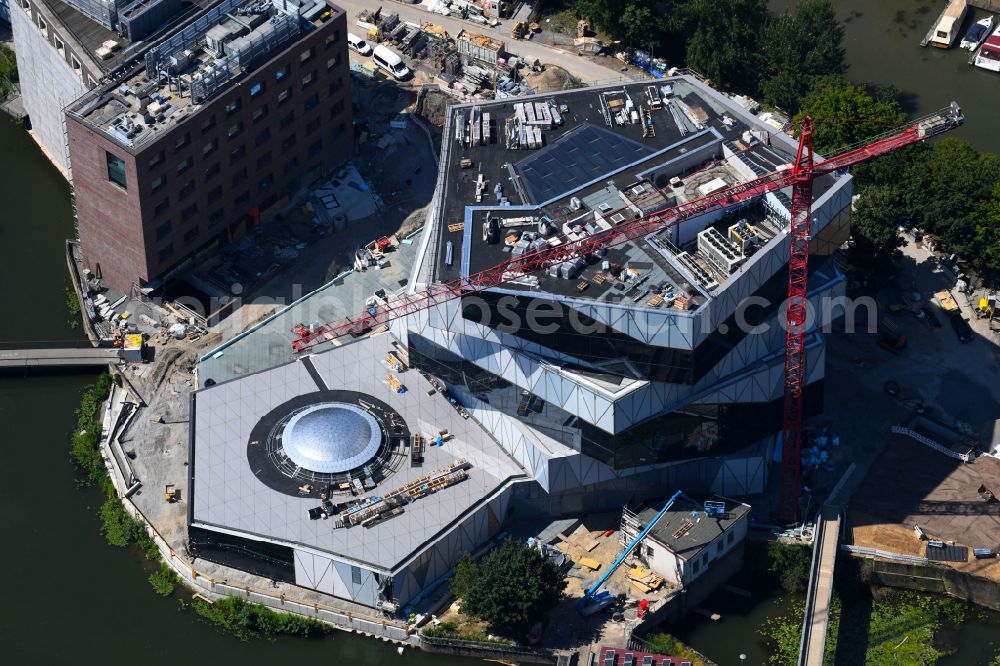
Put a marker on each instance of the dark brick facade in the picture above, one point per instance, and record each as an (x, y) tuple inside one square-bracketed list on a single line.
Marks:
[(206, 180)]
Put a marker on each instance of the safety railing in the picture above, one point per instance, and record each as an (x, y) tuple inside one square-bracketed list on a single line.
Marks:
[(926, 441)]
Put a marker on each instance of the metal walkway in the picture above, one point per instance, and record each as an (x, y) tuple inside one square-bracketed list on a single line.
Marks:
[(817, 615), (56, 358)]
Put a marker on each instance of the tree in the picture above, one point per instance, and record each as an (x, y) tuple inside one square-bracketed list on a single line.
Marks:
[(465, 576), (988, 231), (514, 586), (795, 49), (844, 113), (635, 20), (724, 39), (874, 225), (791, 563)]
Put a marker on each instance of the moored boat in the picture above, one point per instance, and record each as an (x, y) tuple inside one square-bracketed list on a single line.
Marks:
[(988, 56), (977, 33), (944, 32)]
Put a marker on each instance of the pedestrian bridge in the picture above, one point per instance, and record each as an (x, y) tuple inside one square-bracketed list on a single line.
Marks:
[(817, 615), (57, 358)]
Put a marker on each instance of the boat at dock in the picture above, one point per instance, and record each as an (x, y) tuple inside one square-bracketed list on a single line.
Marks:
[(977, 33), (946, 28), (988, 56)]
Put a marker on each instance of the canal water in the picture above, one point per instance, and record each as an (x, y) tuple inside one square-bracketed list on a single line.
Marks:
[(883, 46), (67, 595)]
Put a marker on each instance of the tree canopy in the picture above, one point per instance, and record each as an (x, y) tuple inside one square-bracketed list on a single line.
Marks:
[(797, 48), (512, 587), (724, 39), (844, 113)]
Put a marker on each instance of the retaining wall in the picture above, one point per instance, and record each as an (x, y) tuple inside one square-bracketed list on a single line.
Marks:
[(932, 578)]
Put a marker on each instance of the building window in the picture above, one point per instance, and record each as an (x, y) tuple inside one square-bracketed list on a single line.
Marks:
[(259, 112), (163, 230), (189, 212), (237, 154), (262, 136), (61, 47), (265, 182), (338, 107), (290, 166), (729, 539), (704, 559), (161, 207), (187, 190), (356, 575), (182, 140), (214, 195), (284, 95), (233, 105), (332, 39), (209, 147), (116, 170), (649, 551), (315, 148), (306, 55), (264, 160), (312, 125), (158, 182), (719, 545), (212, 171), (697, 567), (242, 199), (308, 79), (91, 82), (75, 63), (166, 252), (256, 88), (240, 176), (183, 165), (286, 120), (234, 130), (191, 234), (288, 142), (156, 159), (336, 85), (332, 62), (312, 102), (216, 215), (41, 26), (281, 73), (207, 124)]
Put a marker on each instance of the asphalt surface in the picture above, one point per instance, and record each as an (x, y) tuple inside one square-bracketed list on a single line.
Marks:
[(584, 68)]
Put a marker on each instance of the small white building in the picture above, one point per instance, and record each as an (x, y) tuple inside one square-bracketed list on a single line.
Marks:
[(685, 542)]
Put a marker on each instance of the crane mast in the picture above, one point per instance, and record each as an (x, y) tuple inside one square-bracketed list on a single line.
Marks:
[(799, 176)]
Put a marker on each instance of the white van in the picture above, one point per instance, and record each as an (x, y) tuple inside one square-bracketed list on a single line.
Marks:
[(390, 62), (358, 44)]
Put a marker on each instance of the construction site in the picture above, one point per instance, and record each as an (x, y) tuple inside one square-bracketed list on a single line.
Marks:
[(346, 448)]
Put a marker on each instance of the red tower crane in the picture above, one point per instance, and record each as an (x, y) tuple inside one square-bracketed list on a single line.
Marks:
[(799, 176)]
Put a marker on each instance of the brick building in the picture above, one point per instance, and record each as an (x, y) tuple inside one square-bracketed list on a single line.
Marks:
[(215, 124)]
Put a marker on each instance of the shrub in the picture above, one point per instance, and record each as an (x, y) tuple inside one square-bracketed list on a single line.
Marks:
[(164, 580), (247, 620)]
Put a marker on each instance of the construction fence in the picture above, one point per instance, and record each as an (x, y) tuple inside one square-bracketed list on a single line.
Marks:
[(884, 554)]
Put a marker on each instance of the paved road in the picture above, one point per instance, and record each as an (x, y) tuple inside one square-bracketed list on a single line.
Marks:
[(583, 68), (817, 614), (87, 356)]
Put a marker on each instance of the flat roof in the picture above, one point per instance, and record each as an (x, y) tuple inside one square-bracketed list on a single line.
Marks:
[(192, 66), (587, 160), (228, 495), (672, 529), (91, 35)]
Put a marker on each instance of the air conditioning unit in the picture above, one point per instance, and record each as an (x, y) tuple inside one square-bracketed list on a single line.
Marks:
[(724, 255)]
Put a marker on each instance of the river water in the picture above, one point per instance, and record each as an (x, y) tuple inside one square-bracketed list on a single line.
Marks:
[(883, 46), (67, 595)]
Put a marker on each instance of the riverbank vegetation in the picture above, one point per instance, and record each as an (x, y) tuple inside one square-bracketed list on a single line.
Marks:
[(662, 643), (8, 71), (164, 580), (73, 306), (247, 620)]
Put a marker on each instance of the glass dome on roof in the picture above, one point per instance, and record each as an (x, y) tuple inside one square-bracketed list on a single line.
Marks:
[(331, 437)]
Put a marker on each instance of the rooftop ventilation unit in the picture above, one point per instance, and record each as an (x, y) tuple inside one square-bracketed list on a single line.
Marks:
[(703, 277), (719, 251)]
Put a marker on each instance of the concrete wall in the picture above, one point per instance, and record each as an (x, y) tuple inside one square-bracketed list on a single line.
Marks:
[(48, 84), (930, 578)]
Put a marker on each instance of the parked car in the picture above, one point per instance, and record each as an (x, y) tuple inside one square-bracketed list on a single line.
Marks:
[(358, 44), (961, 326)]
